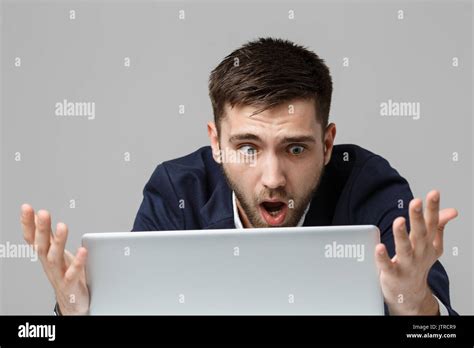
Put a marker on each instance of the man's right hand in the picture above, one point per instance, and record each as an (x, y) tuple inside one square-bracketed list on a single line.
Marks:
[(65, 271)]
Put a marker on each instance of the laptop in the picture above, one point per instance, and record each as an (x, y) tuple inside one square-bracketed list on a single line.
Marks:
[(325, 270)]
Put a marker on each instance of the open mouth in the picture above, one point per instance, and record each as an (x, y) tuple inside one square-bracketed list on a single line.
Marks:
[(273, 212)]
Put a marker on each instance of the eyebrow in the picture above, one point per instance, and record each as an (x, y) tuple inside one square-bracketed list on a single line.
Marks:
[(291, 139), (299, 139), (243, 137)]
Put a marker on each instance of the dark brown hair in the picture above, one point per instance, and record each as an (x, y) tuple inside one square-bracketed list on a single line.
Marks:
[(268, 72)]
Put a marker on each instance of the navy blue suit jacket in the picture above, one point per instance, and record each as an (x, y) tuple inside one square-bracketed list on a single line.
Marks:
[(358, 187)]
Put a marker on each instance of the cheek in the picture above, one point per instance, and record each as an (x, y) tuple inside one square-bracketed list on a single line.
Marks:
[(234, 170), (242, 175), (305, 176)]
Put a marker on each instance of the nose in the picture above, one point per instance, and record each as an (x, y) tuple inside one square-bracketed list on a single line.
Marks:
[(272, 173)]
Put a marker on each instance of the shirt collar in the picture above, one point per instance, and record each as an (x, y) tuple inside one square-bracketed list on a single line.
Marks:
[(238, 223)]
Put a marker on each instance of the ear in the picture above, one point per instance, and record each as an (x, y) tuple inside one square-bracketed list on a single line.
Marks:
[(214, 140), (329, 136)]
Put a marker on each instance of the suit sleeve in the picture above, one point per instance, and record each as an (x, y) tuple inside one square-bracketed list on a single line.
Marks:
[(379, 196), (159, 209)]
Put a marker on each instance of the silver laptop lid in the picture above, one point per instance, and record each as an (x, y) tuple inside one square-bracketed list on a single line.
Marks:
[(275, 271)]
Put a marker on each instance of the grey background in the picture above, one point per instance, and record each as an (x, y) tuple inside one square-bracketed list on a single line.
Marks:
[(67, 158)]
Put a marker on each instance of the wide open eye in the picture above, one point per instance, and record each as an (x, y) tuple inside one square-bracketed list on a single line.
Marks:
[(248, 150), (296, 149)]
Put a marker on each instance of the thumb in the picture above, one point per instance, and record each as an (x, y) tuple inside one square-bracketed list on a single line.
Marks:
[(445, 216), (382, 260)]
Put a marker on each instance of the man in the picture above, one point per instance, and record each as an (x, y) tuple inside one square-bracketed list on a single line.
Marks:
[(272, 162)]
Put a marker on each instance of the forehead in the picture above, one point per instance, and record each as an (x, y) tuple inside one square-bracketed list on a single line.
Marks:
[(294, 117)]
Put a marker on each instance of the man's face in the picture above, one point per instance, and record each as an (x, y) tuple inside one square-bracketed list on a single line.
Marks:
[(277, 160)]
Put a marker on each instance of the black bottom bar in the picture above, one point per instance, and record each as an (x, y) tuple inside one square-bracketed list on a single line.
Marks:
[(289, 330)]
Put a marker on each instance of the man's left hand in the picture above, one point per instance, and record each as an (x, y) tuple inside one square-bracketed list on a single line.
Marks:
[(404, 278)]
